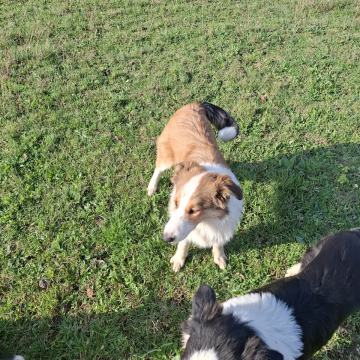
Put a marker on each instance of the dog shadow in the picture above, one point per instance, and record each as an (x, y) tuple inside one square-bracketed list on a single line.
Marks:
[(115, 335), (308, 194)]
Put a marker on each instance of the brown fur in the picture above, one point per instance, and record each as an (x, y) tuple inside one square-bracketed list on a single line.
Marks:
[(188, 136), (182, 174), (210, 199), (215, 189), (184, 171)]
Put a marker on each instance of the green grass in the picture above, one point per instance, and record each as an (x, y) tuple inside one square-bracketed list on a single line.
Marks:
[(87, 86)]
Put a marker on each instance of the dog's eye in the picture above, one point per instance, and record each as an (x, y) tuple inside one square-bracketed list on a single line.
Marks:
[(192, 211), (176, 203)]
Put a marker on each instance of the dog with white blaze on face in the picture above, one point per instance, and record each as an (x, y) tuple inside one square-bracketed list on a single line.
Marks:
[(289, 319), (206, 202)]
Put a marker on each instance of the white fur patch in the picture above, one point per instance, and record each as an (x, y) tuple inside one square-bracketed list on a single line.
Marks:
[(294, 270), (272, 320), (18, 357), (227, 133), (178, 226), (184, 339), (218, 231), (204, 355)]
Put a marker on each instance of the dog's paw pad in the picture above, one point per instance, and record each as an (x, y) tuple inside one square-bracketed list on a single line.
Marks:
[(177, 263)]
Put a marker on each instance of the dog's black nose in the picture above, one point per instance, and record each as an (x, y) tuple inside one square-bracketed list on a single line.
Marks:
[(169, 239)]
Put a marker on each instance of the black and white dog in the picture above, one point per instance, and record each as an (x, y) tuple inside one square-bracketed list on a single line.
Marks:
[(288, 319)]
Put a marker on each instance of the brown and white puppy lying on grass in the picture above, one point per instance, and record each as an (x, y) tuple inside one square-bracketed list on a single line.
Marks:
[(206, 202)]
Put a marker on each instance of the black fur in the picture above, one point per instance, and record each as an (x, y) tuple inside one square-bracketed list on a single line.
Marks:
[(326, 291), (204, 305), (209, 329), (255, 349), (322, 296), (219, 117)]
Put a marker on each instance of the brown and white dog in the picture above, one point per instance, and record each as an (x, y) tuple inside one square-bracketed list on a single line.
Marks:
[(206, 203)]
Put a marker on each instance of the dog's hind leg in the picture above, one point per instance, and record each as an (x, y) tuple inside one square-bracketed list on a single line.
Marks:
[(310, 254), (294, 270), (164, 161), (155, 179)]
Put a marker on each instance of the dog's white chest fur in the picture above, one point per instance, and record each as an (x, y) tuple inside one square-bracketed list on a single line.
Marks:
[(272, 320), (218, 231)]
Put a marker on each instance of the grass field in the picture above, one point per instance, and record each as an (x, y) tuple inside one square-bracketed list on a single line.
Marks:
[(87, 86)]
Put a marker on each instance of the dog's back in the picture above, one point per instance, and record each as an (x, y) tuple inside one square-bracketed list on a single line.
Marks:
[(188, 136), (325, 291), (333, 269)]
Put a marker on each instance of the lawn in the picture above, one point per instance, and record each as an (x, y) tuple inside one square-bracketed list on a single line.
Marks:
[(87, 86)]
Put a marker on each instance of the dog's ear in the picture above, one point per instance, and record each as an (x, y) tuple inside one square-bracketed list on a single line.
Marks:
[(224, 188), (204, 305), (185, 166), (235, 189)]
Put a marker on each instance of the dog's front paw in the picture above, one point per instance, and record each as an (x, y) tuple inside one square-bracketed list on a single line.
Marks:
[(220, 261), (177, 263), (294, 270)]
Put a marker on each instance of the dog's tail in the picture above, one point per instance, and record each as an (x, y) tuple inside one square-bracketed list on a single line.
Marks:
[(227, 126)]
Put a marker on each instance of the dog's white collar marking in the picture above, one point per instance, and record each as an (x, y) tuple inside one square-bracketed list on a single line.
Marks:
[(220, 169), (272, 320), (204, 355)]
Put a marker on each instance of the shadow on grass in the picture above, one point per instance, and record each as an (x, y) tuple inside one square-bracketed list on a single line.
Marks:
[(116, 335), (313, 193)]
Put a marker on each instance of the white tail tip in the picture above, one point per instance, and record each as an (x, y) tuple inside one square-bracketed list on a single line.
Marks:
[(227, 133), (18, 357)]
